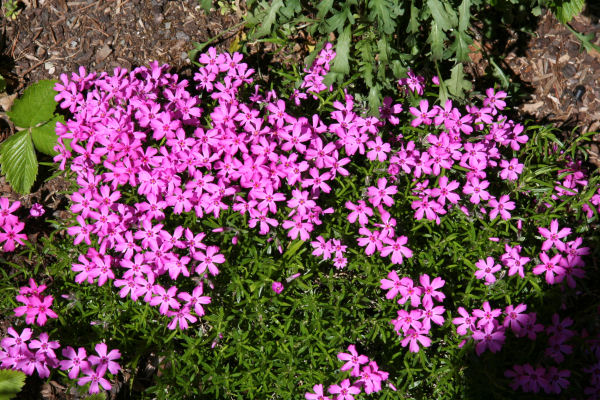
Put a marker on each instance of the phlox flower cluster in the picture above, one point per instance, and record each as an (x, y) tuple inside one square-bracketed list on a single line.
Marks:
[(10, 226), (141, 135), (485, 328), (414, 325), (565, 262), (551, 380), (330, 249), (36, 307), (471, 140), (368, 373), (19, 351)]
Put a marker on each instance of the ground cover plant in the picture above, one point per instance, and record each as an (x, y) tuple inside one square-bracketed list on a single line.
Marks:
[(228, 240), (383, 39)]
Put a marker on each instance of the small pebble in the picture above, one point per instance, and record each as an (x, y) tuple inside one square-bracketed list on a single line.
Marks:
[(180, 35), (167, 25)]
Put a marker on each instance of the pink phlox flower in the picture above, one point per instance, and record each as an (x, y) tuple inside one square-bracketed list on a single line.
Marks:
[(553, 236), (486, 316), (477, 190), (409, 292), (465, 322), (317, 181), (260, 217), (516, 318), (369, 379), (74, 361), (388, 110), (11, 236), (511, 169), (298, 228), (425, 207), (414, 82), (105, 359), (445, 191), (43, 345), (415, 336), (353, 360), (515, 139), (430, 288), (494, 100), (95, 378), (379, 149), (530, 328), (208, 260), (382, 193), (392, 285), (212, 60), (181, 318), (513, 260), (431, 313), (300, 201), (166, 299), (17, 341), (486, 270), (300, 133), (360, 211), (195, 300), (557, 380), (551, 267), (387, 224), (397, 248), (490, 337), (37, 210), (501, 206), (344, 390), (407, 320), (370, 239), (321, 248), (558, 330), (41, 309), (277, 287), (317, 395)]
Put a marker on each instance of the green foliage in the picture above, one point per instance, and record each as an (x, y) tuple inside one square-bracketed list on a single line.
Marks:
[(33, 114), (565, 10), (11, 383), (378, 40)]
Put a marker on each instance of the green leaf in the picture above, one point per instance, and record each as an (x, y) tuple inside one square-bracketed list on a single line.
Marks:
[(11, 383), (383, 11), (464, 15), (461, 46), (341, 65), (457, 83), (36, 105), (97, 396), (18, 162), (566, 10), (440, 15), (499, 73), (269, 19), (337, 21), (323, 8), (436, 40), (206, 5), (413, 23), (44, 137)]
